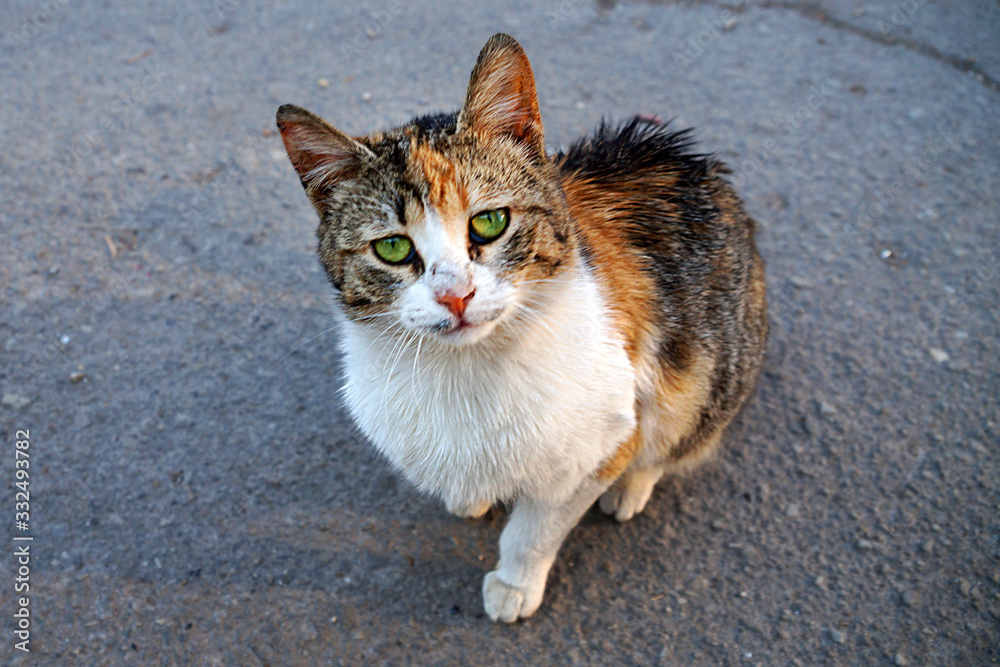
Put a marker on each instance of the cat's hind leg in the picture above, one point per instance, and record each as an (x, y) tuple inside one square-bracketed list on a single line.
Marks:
[(630, 492)]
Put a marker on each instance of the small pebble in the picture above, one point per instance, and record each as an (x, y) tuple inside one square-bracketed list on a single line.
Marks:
[(939, 355), (792, 510), (15, 401), (885, 254), (908, 598), (64, 339), (837, 636), (322, 83), (899, 659), (826, 409), (366, 96), (77, 377), (864, 545)]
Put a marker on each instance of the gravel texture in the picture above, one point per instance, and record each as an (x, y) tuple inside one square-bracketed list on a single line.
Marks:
[(199, 497)]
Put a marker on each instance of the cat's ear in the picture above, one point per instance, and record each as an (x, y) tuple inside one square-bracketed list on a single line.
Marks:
[(322, 155), (501, 98)]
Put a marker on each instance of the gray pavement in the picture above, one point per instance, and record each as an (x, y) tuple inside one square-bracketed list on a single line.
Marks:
[(198, 497)]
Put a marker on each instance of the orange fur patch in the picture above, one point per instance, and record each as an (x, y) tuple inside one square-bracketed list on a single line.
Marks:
[(445, 190)]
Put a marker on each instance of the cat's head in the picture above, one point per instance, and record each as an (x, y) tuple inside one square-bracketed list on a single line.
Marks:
[(449, 225)]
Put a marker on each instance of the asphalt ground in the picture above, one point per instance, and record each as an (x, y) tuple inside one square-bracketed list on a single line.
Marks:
[(198, 494)]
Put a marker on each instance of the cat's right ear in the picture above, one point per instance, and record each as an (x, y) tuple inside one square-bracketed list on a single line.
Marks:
[(322, 155)]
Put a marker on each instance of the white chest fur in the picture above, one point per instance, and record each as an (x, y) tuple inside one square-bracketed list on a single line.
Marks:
[(476, 424)]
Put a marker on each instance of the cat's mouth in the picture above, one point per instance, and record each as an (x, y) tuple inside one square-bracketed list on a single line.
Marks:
[(464, 331), (460, 326)]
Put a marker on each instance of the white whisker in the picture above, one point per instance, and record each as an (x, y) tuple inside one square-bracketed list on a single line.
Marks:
[(416, 357), (292, 351), (402, 344)]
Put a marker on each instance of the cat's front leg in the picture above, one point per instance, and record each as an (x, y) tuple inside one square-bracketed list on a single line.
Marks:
[(528, 547)]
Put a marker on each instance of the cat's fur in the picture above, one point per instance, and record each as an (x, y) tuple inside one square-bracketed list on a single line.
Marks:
[(608, 336)]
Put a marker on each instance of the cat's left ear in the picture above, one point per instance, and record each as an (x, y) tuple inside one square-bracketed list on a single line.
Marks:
[(501, 99)]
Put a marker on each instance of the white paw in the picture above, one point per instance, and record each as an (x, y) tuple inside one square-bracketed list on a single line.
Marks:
[(508, 603)]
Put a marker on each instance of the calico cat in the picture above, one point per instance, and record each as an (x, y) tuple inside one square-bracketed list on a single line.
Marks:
[(539, 330)]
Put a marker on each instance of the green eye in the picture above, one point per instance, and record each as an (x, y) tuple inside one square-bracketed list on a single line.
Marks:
[(394, 249), (488, 225)]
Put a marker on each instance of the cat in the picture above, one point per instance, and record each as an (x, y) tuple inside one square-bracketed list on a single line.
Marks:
[(546, 331)]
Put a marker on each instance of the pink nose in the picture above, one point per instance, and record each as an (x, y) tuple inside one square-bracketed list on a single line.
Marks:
[(455, 303)]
